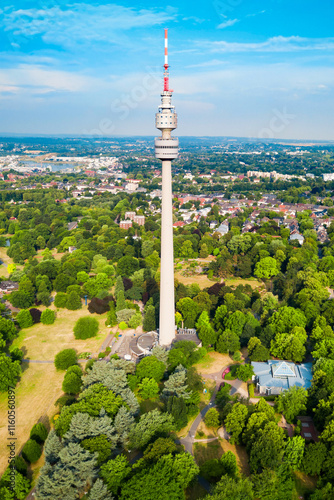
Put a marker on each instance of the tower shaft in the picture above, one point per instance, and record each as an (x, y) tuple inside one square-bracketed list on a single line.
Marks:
[(167, 308), (166, 149)]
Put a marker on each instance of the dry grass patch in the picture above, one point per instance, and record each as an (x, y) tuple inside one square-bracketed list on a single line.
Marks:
[(234, 282), (43, 342), (207, 451), (213, 362), (200, 279), (36, 393), (204, 432), (241, 456)]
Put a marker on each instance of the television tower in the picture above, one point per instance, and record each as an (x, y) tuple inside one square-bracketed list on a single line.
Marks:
[(166, 149)]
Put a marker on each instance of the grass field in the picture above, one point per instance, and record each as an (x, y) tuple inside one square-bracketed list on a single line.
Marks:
[(200, 279), (40, 384), (213, 362), (215, 449)]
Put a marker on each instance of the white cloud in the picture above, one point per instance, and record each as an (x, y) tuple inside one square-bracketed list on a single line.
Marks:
[(226, 24), (81, 23), (274, 44), (36, 80)]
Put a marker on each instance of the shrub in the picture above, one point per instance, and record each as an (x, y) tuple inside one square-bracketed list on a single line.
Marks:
[(89, 365), (65, 358), (31, 451), (84, 355), (72, 382), (86, 328), (35, 314), (20, 465), (74, 288), (99, 306), (24, 319), (212, 418), (135, 320), (125, 315), (39, 433), (48, 317), (237, 356), (73, 301), (65, 400), (60, 299), (251, 390), (122, 326)]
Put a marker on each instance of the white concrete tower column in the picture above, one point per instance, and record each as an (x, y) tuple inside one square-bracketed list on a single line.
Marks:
[(166, 149)]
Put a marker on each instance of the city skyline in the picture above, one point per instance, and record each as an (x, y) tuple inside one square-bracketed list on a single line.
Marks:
[(94, 69)]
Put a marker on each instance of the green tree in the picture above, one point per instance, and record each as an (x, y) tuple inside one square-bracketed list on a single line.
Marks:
[(228, 488), (313, 459), (39, 433), (190, 311), (114, 472), (148, 388), (236, 421), (266, 268), (24, 319), (99, 491), (212, 418), (48, 317), (150, 425), (149, 323), (10, 371), (150, 367), (268, 449), (73, 301), (292, 402), (177, 407), (244, 372), (60, 299), (86, 327), (228, 342), (72, 382), (65, 358), (14, 485), (294, 452), (31, 451), (100, 445)]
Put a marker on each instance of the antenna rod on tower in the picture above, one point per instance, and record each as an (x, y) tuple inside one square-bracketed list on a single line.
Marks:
[(166, 66)]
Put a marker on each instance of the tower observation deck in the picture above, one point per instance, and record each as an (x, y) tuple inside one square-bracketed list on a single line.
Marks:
[(166, 150)]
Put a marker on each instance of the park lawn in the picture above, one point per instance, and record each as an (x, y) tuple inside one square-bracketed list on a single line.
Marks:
[(234, 282), (43, 342), (54, 252), (200, 279), (215, 449), (40, 384), (36, 393), (213, 362), (207, 451), (207, 432)]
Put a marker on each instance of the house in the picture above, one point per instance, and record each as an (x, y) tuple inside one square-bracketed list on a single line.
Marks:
[(295, 235), (275, 376), (8, 287), (72, 225), (223, 228), (125, 224)]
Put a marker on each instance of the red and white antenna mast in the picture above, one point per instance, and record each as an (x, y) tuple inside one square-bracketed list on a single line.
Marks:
[(166, 66)]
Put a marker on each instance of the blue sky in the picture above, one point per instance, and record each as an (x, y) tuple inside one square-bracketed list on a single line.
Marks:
[(238, 68)]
